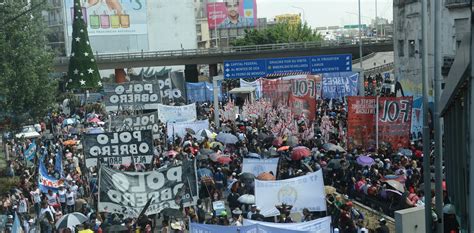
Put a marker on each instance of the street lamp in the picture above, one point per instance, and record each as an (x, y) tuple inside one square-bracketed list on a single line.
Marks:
[(302, 9)]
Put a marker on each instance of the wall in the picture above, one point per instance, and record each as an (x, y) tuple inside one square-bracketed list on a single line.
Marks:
[(410, 220)]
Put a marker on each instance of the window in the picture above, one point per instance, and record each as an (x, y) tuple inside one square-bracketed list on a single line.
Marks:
[(401, 48), (411, 48)]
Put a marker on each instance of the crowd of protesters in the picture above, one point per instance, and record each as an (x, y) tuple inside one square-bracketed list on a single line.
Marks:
[(375, 185)]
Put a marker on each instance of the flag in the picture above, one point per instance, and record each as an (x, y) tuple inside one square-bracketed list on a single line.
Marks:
[(30, 152), (16, 225), (58, 164)]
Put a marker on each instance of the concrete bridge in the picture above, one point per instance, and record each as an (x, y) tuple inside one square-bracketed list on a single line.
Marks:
[(219, 55)]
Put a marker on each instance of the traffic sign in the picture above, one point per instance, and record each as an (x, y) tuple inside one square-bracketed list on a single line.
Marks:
[(287, 66)]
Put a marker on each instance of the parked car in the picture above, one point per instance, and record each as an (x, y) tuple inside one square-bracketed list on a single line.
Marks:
[(28, 131)]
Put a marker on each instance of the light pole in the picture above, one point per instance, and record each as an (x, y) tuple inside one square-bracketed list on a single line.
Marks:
[(376, 23), (302, 9), (361, 78)]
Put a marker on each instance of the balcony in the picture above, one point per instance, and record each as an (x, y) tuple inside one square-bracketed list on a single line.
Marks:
[(457, 3)]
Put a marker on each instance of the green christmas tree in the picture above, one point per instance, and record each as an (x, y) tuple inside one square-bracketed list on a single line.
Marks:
[(83, 72)]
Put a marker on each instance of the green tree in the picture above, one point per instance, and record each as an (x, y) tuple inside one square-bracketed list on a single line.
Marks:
[(280, 33), (83, 72), (26, 89)]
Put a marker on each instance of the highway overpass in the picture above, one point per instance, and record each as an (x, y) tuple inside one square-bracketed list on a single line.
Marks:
[(219, 55)]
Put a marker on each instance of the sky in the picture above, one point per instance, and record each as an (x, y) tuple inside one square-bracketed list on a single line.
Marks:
[(320, 13)]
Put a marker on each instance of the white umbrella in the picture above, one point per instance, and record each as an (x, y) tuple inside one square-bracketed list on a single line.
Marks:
[(247, 199), (204, 133), (71, 220), (227, 138)]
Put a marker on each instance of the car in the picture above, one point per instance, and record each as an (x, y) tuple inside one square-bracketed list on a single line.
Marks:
[(28, 131)]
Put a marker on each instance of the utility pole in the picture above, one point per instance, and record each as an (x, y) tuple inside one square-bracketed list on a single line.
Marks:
[(361, 74), (376, 23)]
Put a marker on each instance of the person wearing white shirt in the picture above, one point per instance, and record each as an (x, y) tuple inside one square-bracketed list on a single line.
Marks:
[(70, 200), (62, 198), (23, 205), (52, 198), (36, 199)]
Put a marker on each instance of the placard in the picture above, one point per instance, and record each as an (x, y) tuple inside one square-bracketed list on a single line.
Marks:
[(179, 128), (137, 122), (128, 192), (185, 113), (117, 148)]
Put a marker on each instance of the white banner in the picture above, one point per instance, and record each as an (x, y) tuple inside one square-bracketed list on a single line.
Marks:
[(300, 192), (257, 84), (184, 113), (320, 225), (179, 128), (258, 166)]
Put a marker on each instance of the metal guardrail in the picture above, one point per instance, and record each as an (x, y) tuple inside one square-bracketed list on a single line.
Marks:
[(215, 51), (380, 69)]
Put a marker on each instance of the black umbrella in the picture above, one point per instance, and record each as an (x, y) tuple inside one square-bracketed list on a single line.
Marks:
[(172, 213)]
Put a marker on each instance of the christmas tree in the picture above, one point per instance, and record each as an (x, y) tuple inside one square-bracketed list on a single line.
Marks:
[(83, 72)]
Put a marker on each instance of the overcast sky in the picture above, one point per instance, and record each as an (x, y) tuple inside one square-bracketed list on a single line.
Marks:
[(327, 12)]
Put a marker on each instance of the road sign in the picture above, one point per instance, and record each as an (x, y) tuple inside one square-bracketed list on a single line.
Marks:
[(287, 66)]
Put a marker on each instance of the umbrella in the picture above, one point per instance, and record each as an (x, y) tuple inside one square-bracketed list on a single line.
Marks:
[(390, 192), (218, 144), (227, 138), (224, 160), (202, 157), (264, 137), (203, 172), (277, 142), (396, 185), (94, 120), (332, 147), (292, 141), (246, 175), (336, 164), (247, 199), (69, 121), (254, 155), (71, 220), (284, 148), (70, 142), (300, 152), (171, 154), (265, 176), (116, 228), (329, 190), (206, 151), (215, 156), (405, 152), (365, 160), (204, 133), (172, 212), (189, 130)]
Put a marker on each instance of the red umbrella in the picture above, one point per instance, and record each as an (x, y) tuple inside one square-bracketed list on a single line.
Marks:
[(284, 148), (94, 120), (224, 160), (300, 152)]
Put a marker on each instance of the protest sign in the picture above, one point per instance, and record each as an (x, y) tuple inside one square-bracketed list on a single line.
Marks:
[(395, 121), (179, 128), (338, 85), (137, 122), (118, 147), (128, 192), (303, 95), (185, 113), (218, 207), (321, 225), (144, 95), (258, 166), (300, 192), (361, 121)]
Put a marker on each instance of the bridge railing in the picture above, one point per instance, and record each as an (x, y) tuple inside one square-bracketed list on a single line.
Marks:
[(213, 51)]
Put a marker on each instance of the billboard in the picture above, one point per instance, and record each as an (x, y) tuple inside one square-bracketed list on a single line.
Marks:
[(103, 18), (232, 14)]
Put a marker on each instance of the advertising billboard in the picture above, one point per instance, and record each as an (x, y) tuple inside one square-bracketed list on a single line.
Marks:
[(112, 17), (232, 14)]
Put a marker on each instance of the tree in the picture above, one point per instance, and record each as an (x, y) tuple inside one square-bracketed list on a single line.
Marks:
[(280, 33), (83, 72), (26, 89)]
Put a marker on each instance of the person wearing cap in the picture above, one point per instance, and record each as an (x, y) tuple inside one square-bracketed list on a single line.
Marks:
[(236, 218), (219, 179), (253, 210), (383, 227), (258, 216)]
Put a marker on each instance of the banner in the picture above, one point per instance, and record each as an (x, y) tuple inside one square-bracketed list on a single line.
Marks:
[(202, 92), (276, 90), (338, 85), (118, 148), (360, 121), (232, 14), (172, 88), (321, 225), (45, 181), (179, 128), (300, 192), (257, 84), (395, 121), (58, 164), (136, 95), (110, 17), (137, 122), (417, 119), (303, 95), (184, 113), (128, 192), (258, 166)]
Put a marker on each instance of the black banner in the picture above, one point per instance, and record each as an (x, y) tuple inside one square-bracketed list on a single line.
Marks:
[(137, 122), (118, 148), (127, 193), (172, 88), (138, 95)]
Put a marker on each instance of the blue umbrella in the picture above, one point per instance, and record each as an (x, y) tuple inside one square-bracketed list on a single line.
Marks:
[(227, 138), (204, 172)]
